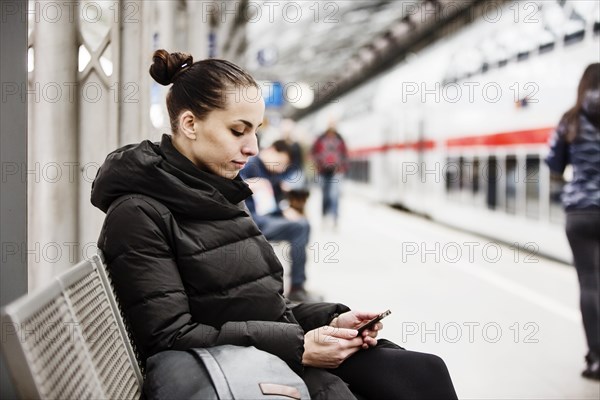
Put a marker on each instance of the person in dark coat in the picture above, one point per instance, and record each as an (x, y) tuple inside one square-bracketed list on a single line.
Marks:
[(191, 268), (576, 141)]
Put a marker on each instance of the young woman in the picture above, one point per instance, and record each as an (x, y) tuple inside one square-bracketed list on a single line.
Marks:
[(190, 267), (576, 141)]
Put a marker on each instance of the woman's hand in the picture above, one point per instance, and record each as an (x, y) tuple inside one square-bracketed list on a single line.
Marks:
[(328, 347), (353, 319)]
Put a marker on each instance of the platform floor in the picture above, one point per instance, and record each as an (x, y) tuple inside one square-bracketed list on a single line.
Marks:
[(506, 321)]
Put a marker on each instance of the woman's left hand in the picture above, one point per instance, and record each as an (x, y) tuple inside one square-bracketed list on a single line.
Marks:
[(353, 319)]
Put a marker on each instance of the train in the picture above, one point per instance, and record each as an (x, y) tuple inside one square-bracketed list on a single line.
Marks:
[(458, 132)]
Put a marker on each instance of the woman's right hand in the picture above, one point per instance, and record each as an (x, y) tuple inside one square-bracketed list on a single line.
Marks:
[(328, 347)]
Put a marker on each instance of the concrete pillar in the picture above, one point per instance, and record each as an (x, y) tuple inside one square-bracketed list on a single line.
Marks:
[(148, 28), (13, 160), (53, 169), (198, 28), (164, 25), (135, 61)]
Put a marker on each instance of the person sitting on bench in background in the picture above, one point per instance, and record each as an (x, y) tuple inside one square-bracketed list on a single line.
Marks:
[(264, 174)]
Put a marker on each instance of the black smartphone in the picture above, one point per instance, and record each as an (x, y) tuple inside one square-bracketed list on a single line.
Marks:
[(373, 321)]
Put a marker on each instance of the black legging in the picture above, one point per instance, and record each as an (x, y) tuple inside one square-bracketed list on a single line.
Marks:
[(384, 372), (583, 232)]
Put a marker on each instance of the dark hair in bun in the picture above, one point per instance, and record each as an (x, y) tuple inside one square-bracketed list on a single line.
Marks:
[(167, 67), (200, 86)]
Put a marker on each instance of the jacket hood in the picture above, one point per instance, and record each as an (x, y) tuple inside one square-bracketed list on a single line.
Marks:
[(161, 172)]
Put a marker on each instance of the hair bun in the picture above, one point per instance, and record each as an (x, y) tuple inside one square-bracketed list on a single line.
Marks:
[(166, 67)]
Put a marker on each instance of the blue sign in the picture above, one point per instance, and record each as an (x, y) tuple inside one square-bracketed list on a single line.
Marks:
[(273, 94)]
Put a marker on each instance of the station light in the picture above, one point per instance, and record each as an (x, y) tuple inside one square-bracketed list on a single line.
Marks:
[(299, 95)]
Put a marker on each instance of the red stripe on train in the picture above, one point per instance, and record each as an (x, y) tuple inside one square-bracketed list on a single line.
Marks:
[(420, 145), (531, 136), (523, 137)]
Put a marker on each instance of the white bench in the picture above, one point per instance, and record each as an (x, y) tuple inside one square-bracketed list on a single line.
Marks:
[(68, 340)]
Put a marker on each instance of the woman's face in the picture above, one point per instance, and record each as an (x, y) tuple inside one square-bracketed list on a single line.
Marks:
[(226, 138)]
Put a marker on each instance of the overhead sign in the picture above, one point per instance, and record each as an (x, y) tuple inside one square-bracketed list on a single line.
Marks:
[(272, 93)]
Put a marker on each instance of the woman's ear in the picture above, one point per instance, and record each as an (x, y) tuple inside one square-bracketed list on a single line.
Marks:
[(187, 125)]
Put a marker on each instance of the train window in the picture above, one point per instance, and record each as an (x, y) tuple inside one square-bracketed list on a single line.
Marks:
[(463, 174), (512, 179), (502, 63), (479, 188), (367, 171), (452, 175), (532, 186), (468, 173), (353, 168), (596, 27), (475, 180), (491, 175), (359, 171)]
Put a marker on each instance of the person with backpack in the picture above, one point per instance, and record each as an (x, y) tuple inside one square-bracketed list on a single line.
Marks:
[(330, 155)]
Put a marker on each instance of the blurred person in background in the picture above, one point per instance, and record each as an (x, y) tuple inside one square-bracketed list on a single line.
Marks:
[(576, 141), (265, 175), (294, 180), (330, 155)]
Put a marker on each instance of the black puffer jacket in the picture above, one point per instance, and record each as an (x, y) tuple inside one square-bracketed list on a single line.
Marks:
[(190, 267)]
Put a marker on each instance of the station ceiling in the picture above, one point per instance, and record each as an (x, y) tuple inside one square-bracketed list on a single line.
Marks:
[(333, 46)]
